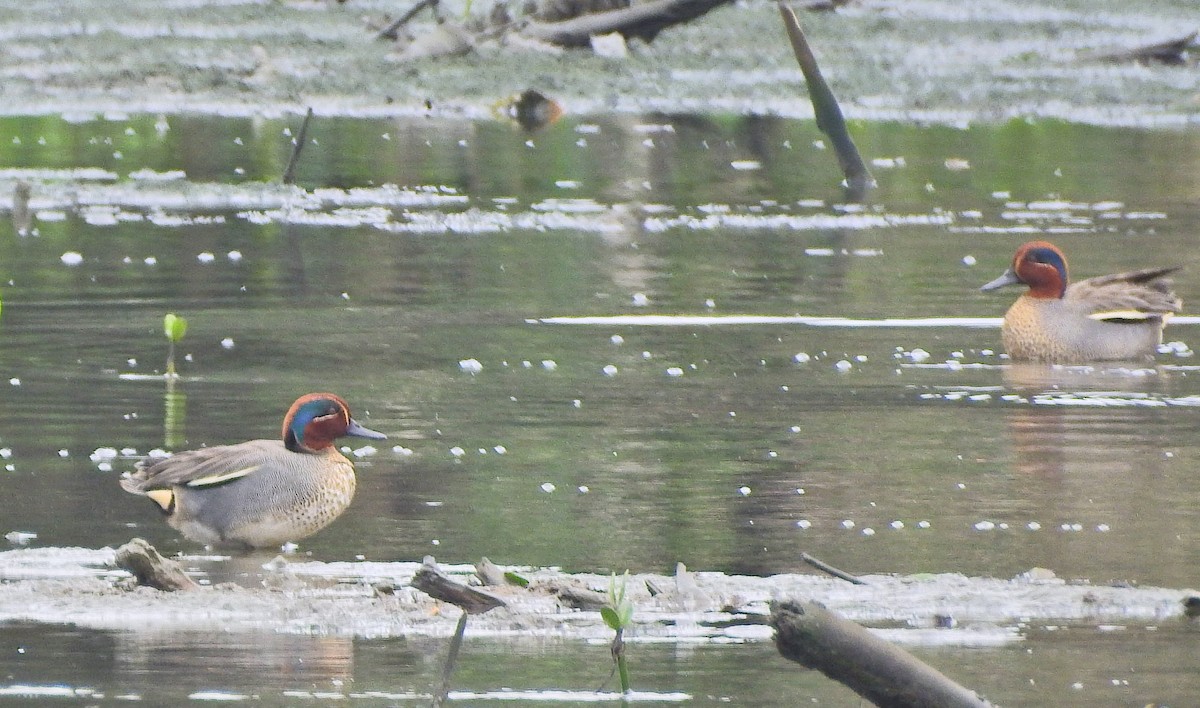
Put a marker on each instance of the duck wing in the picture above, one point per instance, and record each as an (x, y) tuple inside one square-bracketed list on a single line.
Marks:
[(204, 467), (1138, 295)]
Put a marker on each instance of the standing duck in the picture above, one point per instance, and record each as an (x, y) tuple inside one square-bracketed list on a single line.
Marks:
[(1109, 317), (259, 493)]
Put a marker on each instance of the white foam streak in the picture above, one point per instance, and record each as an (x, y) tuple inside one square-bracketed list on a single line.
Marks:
[(808, 320)]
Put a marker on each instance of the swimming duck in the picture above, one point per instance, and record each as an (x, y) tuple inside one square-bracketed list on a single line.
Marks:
[(259, 493), (1109, 317)]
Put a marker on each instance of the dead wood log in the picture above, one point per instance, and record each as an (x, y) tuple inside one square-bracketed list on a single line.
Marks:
[(578, 597), (643, 21), (489, 573), (1173, 52), (433, 582), (559, 10), (886, 675), (826, 109), (151, 569), (826, 5)]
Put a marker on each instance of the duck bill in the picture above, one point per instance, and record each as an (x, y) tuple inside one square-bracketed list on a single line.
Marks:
[(358, 431), (1008, 278)]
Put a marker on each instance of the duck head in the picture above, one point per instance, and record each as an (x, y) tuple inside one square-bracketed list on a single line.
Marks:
[(314, 421), (1041, 266)]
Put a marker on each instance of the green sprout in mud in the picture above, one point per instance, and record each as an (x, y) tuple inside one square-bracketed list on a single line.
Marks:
[(618, 615), (174, 327)]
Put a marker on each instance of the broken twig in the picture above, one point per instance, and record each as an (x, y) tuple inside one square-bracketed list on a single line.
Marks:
[(392, 31), (289, 174), (826, 568)]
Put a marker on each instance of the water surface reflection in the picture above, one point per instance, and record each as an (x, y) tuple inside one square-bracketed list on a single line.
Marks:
[(603, 446)]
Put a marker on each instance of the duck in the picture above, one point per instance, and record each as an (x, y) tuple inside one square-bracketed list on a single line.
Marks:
[(1106, 318), (259, 493)]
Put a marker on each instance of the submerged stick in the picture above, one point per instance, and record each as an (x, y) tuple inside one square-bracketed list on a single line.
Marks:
[(825, 106), (451, 659), (826, 568), (879, 671), (289, 174)]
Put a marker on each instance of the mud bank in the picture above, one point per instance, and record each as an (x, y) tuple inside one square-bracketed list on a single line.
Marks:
[(925, 60), (372, 599)]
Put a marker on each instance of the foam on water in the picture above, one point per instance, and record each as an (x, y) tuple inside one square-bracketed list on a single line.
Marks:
[(811, 321)]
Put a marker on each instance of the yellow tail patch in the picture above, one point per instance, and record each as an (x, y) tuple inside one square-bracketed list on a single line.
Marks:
[(165, 498)]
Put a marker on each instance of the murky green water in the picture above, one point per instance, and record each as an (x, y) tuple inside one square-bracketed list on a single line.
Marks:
[(420, 244)]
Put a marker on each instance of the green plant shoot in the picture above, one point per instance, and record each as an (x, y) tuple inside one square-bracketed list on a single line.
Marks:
[(619, 612), (618, 615), (174, 327)]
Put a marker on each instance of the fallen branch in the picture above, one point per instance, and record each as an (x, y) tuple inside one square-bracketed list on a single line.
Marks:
[(392, 31), (880, 672), (826, 568), (644, 21), (825, 107), (433, 582), (151, 569)]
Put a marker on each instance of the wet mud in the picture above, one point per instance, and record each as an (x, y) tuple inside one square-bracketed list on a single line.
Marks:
[(366, 599), (931, 60)]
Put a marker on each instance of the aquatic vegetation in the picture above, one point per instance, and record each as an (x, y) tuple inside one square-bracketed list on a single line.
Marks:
[(618, 615), (174, 328)]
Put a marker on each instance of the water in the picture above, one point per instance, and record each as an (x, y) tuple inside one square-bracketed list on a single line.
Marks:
[(607, 445)]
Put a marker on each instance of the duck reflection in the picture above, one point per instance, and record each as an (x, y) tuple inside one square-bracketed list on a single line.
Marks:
[(235, 663), (1099, 418)]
